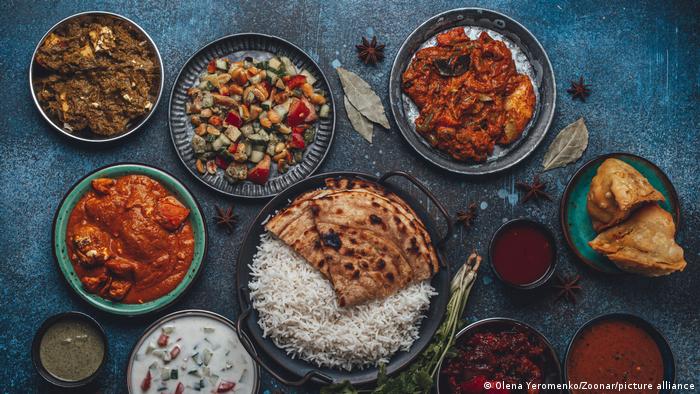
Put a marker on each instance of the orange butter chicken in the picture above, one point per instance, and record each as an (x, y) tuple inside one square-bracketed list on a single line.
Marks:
[(469, 94), (129, 239)]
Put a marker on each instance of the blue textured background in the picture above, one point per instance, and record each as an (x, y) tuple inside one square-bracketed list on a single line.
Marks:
[(640, 58)]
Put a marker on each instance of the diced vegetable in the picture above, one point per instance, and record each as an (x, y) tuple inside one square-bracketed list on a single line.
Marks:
[(221, 64), (298, 111), (225, 386), (297, 141), (274, 63), (309, 78), (232, 133), (146, 383), (261, 172), (294, 81), (325, 111), (163, 340), (256, 156), (234, 119), (211, 67), (289, 67)]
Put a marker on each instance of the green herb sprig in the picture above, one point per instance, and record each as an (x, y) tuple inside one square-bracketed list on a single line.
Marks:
[(419, 377)]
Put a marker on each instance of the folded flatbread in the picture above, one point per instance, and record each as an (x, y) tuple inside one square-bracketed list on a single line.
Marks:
[(616, 190), (643, 244), (367, 241)]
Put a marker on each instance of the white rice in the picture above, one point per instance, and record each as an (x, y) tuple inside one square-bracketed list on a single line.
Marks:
[(298, 310)]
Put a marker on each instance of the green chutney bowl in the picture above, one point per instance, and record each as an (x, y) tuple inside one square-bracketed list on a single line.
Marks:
[(573, 214), (115, 171)]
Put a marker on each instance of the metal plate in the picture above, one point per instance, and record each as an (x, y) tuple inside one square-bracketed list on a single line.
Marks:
[(275, 359), (236, 47), (89, 137), (516, 37)]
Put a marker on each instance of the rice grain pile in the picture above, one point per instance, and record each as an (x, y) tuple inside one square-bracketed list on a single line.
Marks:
[(298, 310)]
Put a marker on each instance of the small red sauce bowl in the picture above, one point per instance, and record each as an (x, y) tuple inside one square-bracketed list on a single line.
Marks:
[(523, 254)]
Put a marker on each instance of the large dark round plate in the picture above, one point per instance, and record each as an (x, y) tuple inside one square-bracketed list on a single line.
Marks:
[(573, 214), (517, 37), (237, 47), (294, 371)]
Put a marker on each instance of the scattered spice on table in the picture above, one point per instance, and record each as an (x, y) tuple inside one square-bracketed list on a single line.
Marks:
[(466, 218), (579, 90), (534, 191), (370, 52), (225, 218), (568, 287)]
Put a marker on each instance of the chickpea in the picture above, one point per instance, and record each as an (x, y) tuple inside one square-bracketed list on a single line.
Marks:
[(274, 116), (317, 99), (307, 89)]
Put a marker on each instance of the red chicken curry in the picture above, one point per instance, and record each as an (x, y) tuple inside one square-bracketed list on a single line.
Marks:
[(129, 239), (469, 94)]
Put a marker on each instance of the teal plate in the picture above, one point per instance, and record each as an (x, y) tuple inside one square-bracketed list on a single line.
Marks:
[(113, 171), (575, 222)]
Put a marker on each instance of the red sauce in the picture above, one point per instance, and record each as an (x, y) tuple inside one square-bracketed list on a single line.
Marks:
[(511, 357), (130, 239), (522, 253), (616, 351)]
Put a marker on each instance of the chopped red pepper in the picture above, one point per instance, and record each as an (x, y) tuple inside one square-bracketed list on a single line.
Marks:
[(146, 383), (234, 119), (294, 81), (174, 352), (221, 162), (299, 129), (267, 86), (297, 141), (298, 111), (163, 340), (180, 389), (225, 386), (211, 67), (261, 172), (232, 148)]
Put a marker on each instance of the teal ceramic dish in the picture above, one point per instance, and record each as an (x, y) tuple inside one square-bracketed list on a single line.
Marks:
[(573, 215), (114, 171)]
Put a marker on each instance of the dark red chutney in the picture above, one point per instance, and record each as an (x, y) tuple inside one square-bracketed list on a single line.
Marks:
[(511, 357), (522, 253)]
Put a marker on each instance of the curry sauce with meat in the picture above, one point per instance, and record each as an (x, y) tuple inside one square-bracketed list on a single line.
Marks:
[(469, 94), (129, 239), (97, 74)]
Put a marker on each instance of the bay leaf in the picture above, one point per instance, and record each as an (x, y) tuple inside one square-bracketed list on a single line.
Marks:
[(361, 124), (362, 97), (567, 147)]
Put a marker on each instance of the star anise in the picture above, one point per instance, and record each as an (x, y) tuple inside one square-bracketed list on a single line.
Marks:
[(534, 190), (568, 288), (225, 218), (467, 217), (369, 51), (579, 90)]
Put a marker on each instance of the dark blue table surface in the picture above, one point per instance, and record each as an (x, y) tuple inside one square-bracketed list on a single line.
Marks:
[(641, 60)]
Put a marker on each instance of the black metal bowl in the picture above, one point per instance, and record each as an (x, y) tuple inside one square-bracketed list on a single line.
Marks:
[(553, 241), (236, 47), (669, 361), (295, 372), (404, 111), (36, 344), (552, 368), (35, 71)]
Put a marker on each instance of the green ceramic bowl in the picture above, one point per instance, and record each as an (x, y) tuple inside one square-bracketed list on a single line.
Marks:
[(575, 222), (114, 171)]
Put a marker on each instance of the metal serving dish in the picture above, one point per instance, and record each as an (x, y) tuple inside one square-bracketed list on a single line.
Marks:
[(295, 372), (664, 348), (236, 47), (516, 36), (552, 368), (191, 312), (92, 137)]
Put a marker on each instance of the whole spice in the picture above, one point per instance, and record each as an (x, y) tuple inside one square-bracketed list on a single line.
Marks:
[(362, 97), (567, 147), (419, 377), (534, 190), (579, 90), (369, 51), (467, 217), (567, 287), (225, 218)]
